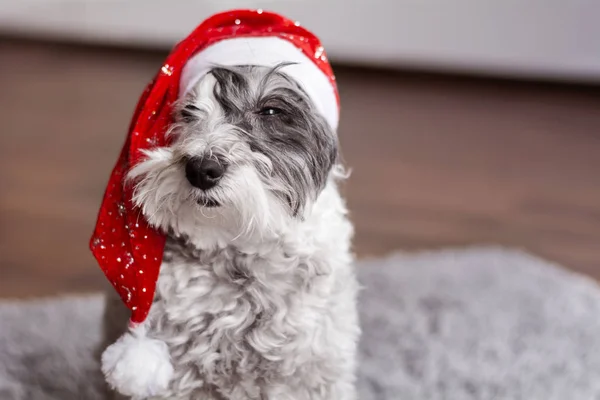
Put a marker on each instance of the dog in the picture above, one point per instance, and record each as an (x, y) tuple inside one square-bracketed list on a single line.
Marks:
[(256, 297)]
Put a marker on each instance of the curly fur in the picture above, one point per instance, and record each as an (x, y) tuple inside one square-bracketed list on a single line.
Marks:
[(256, 298)]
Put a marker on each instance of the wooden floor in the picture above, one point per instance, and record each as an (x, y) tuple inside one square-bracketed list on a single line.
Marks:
[(437, 162)]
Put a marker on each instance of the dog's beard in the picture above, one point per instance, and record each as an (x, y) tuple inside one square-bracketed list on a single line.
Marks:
[(243, 205), (271, 179)]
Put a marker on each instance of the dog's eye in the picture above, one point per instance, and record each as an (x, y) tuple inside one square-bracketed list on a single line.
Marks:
[(270, 111), (187, 113)]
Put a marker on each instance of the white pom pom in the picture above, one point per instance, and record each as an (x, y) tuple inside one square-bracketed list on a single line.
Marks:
[(137, 366)]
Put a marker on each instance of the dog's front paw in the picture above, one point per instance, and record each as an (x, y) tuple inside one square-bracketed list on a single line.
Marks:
[(137, 366)]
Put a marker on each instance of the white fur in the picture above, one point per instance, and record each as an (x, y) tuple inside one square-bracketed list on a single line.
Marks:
[(136, 365)]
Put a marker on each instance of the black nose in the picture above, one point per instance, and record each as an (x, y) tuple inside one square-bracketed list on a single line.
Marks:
[(203, 173)]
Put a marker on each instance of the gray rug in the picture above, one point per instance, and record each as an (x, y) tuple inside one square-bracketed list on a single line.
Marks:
[(452, 325)]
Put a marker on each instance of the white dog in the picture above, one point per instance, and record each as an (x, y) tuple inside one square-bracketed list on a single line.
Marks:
[(256, 297)]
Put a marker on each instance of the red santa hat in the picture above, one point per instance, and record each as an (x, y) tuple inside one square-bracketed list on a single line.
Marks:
[(127, 248)]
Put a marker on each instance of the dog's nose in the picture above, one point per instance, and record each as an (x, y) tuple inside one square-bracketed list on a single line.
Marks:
[(203, 173)]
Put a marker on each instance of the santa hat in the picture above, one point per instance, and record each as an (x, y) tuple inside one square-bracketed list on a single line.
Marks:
[(127, 248)]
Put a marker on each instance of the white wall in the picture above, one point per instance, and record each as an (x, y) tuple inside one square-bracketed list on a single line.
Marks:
[(557, 39)]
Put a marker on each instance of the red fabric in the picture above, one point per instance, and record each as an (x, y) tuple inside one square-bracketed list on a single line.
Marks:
[(128, 250)]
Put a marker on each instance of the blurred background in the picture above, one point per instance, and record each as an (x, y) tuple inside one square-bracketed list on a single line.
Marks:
[(464, 122)]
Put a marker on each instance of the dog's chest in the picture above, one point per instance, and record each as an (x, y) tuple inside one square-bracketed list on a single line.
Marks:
[(232, 316)]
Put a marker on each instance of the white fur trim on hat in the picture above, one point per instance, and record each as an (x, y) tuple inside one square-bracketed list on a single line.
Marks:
[(268, 52)]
